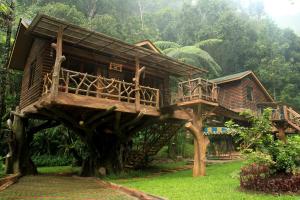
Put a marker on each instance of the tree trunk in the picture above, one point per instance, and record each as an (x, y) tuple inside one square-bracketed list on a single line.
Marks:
[(106, 153), (19, 161), (201, 142), (281, 134)]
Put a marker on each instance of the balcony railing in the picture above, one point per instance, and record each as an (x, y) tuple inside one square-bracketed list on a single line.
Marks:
[(97, 86), (195, 89)]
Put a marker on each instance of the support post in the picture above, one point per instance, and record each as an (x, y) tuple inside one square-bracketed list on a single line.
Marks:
[(201, 142), (58, 60), (136, 80), (281, 134)]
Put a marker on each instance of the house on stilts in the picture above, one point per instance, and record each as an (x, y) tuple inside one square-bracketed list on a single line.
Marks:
[(108, 92)]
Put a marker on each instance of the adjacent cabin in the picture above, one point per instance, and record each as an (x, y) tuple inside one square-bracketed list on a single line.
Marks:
[(241, 91)]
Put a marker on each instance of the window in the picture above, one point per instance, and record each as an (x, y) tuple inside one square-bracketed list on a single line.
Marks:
[(116, 67), (249, 93), (32, 73)]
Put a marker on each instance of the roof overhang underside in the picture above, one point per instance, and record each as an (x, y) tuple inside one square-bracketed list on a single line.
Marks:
[(21, 47), (47, 27)]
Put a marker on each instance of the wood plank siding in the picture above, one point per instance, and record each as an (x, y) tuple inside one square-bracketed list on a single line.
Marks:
[(233, 95), (32, 81)]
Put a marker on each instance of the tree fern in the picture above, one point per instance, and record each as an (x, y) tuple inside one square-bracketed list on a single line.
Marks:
[(162, 45), (191, 54), (208, 43)]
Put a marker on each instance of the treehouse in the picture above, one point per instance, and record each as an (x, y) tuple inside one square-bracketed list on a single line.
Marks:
[(105, 88), (241, 91), (90, 70), (118, 98)]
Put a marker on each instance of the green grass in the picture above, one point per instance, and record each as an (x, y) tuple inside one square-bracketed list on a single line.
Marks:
[(145, 172), (221, 183), (58, 170)]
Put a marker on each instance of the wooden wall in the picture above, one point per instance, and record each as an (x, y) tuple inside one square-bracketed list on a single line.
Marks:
[(230, 95), (233, 95), (32, 89), (43, 54), (258, 94)]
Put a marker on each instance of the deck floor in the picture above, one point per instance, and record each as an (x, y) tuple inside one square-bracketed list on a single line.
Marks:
[(62, 188)]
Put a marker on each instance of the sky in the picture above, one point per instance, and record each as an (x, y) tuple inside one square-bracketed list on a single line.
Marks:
[(286, 13)]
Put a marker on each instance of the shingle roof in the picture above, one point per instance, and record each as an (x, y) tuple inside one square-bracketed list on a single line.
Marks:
[(231, 77), (238, 76), (47, 27)]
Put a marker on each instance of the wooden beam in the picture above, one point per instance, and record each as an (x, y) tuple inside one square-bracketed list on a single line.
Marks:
[(136, 79), (67, 99), (118, 120), (132, 122), (100, 115), (58, 60)]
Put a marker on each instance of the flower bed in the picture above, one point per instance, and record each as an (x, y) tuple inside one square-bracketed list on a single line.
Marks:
[(258, 178)]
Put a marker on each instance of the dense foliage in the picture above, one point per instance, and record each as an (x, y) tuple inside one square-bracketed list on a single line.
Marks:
[(269, 160)]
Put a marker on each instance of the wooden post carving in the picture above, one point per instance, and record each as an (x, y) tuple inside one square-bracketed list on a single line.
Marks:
[(58, 60), (201, 142), (136, 80)]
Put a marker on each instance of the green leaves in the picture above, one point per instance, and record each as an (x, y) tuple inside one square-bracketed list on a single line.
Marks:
[(258, 145), (191, 55)]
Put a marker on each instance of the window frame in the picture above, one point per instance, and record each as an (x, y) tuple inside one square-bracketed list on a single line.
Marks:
[(32, 73), (249, 93)]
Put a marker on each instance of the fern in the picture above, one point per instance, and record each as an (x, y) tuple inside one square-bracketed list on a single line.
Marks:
[(192, 55), (163, 45), (208, 43)]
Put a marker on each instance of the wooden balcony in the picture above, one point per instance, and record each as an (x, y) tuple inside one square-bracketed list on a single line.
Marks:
[(196, 91), (97, 92)]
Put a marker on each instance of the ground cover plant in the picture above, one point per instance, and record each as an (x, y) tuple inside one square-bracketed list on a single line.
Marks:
[(221, 183), (271, 163)]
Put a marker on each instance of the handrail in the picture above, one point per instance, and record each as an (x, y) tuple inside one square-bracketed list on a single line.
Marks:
[(197, 88), (98, 86)]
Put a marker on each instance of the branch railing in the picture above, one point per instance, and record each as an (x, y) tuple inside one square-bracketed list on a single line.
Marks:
[(97, 86), (292, 117), (197, 89)]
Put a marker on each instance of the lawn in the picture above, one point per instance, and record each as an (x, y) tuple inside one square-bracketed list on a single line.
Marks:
[(58, 170), (221, 183)]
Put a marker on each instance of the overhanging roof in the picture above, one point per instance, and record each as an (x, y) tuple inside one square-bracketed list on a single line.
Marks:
[(21, 47), (46, 26), (239, 76), (148, 44)]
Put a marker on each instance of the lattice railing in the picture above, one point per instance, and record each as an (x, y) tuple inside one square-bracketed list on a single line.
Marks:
[(101, 87), (197, 89), (292, 117)]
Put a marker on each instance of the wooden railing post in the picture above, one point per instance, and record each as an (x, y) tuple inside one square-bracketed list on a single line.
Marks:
[(138, 72), (58, 60)]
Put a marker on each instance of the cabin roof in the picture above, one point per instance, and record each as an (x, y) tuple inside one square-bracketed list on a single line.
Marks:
[(239, 76), (47, 27), (148, 45)]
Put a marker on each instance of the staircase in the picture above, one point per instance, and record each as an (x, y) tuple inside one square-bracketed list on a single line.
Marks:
[(292, 117), (150, 140)]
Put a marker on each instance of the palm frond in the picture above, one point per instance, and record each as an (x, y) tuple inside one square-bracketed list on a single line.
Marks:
[(208, 43), (162, 45)]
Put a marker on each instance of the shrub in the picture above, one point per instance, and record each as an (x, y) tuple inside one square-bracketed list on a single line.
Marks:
[(271, 164), (52, 160), (258, 177), (1, 165)]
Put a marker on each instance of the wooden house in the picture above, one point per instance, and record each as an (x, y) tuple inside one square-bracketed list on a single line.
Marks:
[(108, 92), (241, 91), (104, 87)]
